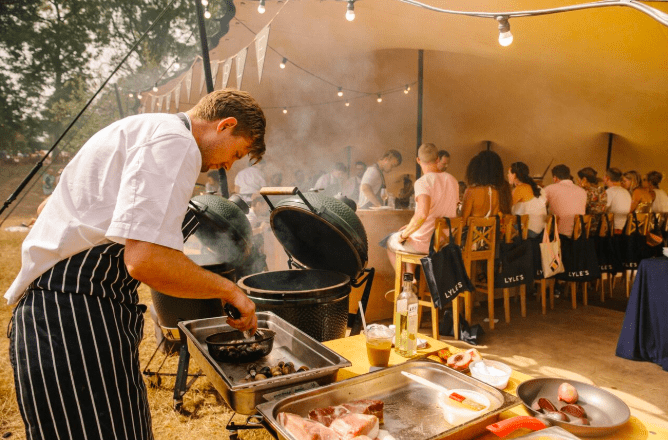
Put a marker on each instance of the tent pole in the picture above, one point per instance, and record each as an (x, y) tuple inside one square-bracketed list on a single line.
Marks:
[(205, 47), (418, 170), (607, 163)]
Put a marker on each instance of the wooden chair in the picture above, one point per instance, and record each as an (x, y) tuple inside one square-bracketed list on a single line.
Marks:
[(602, 233), (643, 224), (577, 232), (509, 225), (480, 246), (424, 297)]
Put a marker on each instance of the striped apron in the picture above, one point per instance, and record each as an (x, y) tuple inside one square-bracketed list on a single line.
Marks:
[(74, 347)]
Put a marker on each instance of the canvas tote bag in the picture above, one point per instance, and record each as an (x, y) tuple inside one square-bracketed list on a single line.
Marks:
[(550, 253)]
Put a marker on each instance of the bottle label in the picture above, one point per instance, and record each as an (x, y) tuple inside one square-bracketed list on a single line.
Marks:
[(402, 306), (413, 310), (412, 319)]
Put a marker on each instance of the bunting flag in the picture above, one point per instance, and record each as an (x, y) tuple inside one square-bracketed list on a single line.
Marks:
[(227, 67), (168, 101), (177, 97), (159, 108), (189, 82), (202, 79), (240, 64), (261, 41), (214, 72), (152, 107)]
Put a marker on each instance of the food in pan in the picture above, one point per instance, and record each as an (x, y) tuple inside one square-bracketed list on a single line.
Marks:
[(281, 369), (546, 405), (366, 406), (352, 425), (461, 361), (574, 410), (304, 429), (328, 414), (567, 393)]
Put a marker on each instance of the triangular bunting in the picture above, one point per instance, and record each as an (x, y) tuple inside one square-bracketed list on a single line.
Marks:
[(168, 101), (261, 41), (159, 108), (240, 64), (177, 97), (150, 109), (214, 72), (202, 79), (227, 67), (189, 82)]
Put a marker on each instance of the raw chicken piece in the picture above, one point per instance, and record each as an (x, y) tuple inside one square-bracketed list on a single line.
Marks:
[(349, 426), (362, 437), (328, 414), (303, 429), (384, 435), (366, 406)]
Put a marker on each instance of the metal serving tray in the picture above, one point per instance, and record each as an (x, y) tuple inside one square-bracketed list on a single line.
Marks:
[(411, 410), (290, 344)]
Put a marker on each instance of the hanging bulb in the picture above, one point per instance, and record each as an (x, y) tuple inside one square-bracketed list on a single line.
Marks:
[(131, 95), (407, 89), (340, 92), (380, 98), (285, 60), (176, 65), (505, 37), (261, 7), (285, 110), (205, 2), (139, 96), (207, 14), (347, 103), (350, 10), (155, 87)]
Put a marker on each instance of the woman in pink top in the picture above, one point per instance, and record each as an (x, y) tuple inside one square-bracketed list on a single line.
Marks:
[(436, 195)]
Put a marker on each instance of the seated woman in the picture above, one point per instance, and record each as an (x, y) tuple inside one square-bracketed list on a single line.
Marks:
[(642, 197), (631, 181), (488, 192), (526, 198), (661, 198), (597, 198), (436, 195)]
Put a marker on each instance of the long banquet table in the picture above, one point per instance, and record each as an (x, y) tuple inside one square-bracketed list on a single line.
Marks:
[(353, 348)]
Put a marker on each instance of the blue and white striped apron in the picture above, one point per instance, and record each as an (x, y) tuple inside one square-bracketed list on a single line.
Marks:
[(75, 349)]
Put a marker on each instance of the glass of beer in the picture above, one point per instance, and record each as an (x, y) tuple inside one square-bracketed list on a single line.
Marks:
[(378, 344)]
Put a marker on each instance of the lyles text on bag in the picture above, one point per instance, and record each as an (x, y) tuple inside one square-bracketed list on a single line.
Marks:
[(514, 279), (581, 273), (454, 290)]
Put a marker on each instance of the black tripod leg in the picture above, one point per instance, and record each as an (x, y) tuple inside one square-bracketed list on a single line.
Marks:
[(181, 374)]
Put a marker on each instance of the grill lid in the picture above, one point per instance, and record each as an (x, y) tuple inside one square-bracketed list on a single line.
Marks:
[(319, 232)]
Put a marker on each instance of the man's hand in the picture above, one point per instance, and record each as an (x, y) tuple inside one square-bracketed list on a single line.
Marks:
[(248, 319)]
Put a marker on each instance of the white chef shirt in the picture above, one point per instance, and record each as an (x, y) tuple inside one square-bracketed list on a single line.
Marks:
[(372, 177), (132, 179), (249, 180)]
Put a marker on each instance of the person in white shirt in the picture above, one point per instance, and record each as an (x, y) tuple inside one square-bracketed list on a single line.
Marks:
[(331, 183), (619, 199), (660, 203), (373, 181), (118, 218), (249, 181), (351, 187)]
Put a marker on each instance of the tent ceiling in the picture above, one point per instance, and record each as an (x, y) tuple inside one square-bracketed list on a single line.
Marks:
[(567, 80)]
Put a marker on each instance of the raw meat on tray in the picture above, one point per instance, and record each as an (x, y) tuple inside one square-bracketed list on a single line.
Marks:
[(304, 429), (327, 414), (366, 406), (351, 425)]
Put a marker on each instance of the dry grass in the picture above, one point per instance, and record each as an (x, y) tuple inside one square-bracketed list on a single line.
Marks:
[(207, 413)]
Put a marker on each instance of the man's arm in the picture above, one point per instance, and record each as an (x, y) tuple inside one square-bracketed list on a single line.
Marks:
[(420, 215), (366, 189), (169, 271)]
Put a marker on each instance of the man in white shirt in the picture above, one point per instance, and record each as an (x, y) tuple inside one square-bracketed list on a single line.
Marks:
[(373, 181), (331, 183), (249, 181), (118, 217), (619, 199)]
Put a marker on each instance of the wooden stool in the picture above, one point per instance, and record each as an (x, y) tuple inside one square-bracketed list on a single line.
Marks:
[(480, 246)]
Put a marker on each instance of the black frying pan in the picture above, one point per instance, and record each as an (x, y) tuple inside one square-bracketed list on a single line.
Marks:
[(605, 411)]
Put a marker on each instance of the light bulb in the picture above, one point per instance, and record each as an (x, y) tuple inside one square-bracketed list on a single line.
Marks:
[(205, 2), (407, 89), (379, 99), (131, 95), (176, 65), (505, 37), (155, 87), (139, 96), (347, 104), (207, 14), (350, 10), (285, 60), (261, 7), (340, 92), (285, 110)]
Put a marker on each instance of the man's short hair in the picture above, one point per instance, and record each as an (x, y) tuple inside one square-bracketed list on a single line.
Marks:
[(614, 174), (359, 162), (428, 153), (238, 104), (442, 154), (561, 172), (340, 167), (655, 178), (394, 154)]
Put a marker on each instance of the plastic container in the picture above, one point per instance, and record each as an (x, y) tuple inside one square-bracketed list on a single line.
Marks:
[(488, 372), (457, 415)]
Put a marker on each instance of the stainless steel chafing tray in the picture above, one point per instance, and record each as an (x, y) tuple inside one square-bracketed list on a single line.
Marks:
[(290, 344), (411, 410)]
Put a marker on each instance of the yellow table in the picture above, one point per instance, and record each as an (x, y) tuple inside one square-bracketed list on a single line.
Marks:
[(354, 349)]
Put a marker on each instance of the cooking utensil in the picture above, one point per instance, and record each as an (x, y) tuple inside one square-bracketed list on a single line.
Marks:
[(452, 394), (233, 346), (234, 313), (605, 411)]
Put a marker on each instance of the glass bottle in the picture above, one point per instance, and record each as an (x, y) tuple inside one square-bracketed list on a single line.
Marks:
[(407, 308)]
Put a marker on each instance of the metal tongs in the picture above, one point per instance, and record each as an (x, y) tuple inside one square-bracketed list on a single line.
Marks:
[(234, 313)]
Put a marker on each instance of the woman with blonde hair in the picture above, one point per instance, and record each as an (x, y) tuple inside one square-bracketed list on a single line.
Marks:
[(631, 180), (642, 197)]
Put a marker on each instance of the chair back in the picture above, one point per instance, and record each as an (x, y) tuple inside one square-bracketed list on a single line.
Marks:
[(606, 221), (577, 226), (442, 233), (643, 223), (509, 225), (480, 238)]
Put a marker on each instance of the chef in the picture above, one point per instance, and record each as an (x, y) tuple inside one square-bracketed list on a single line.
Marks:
[(373, 181), (118, 217)]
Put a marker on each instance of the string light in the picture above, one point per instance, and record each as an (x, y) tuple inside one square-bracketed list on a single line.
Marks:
[(407, 89), (350, 10), (347, 103), (205, 2), (340, 92), (285, 60), (380, 98), (261, 7), (176, 65), (131, 95), (139, 96), (505, 37), (207, 14), (155, 87), (285, 110)]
